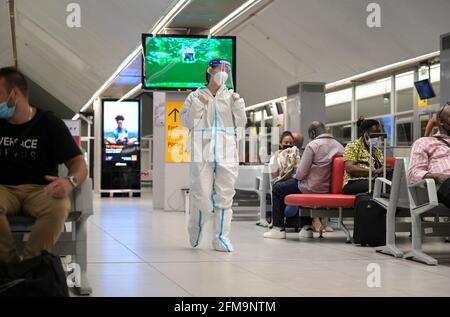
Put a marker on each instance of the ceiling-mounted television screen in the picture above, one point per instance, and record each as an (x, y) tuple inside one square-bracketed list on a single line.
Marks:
[(179, 62), (424, 89)]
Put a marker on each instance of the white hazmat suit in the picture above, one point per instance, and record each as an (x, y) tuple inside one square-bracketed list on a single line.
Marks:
[(214, 161)]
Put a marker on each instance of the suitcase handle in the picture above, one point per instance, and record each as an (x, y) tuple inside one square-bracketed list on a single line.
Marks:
[(384, 137), (378, 135)]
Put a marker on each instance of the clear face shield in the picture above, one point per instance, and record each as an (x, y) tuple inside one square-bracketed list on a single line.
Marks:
[(221, 73)]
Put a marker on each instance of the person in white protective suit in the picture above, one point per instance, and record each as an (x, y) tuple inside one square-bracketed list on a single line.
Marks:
[(215, 115)]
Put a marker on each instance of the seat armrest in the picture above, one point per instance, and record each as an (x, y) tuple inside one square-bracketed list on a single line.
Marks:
[(383, 180), (429, 186), (82, 198), (428, 182), (378, 186)]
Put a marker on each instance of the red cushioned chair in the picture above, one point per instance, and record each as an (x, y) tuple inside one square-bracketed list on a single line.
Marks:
[(334, 204)]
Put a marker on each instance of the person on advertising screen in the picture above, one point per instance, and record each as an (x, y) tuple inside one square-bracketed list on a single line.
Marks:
[(121, 134)]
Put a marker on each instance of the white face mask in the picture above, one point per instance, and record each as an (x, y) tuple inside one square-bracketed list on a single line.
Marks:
[(220, 78), (375, 142)]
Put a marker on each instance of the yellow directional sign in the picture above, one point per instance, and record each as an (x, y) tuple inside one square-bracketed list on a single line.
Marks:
[(176, 135), (422, 102)]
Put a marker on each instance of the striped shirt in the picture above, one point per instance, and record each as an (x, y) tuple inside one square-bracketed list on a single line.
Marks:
[(429, 155), (314, 170)]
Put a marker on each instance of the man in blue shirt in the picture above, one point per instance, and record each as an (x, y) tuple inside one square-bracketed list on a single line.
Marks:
[(121, 134)]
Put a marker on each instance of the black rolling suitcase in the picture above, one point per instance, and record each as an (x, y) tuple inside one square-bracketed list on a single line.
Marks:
[(370, 217), (370, 222)]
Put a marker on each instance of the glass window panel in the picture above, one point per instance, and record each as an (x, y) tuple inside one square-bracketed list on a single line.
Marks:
[(342, 133), (404, 84), (338, 113), (404, 133), (437, 89), (338, 106), (435, 73), (374, 99)]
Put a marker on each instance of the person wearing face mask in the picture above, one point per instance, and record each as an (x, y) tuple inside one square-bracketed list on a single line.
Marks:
[(214, 115), (312, 177), (283, 165), (32, 144), (430, 157), (285, 160), (357, 159)]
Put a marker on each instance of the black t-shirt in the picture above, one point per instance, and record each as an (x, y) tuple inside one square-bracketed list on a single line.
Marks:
[(30, 151)]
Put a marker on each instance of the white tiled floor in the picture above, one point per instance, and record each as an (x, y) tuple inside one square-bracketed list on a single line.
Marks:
[(134, 250)]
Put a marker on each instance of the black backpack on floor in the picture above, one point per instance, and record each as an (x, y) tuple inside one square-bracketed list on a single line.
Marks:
[(42, 276)]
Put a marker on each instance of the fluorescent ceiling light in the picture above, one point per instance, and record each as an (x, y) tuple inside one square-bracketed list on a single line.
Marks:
[(233, 16), (162, 23), (131, 93), (80, 116)]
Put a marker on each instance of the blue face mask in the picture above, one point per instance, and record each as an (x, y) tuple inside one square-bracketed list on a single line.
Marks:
[(6, 112)]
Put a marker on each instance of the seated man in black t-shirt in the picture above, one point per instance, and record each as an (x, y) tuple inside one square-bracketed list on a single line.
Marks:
[(32, 144)]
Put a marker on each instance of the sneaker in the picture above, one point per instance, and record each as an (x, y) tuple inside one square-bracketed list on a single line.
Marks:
[(306, 232), (275, 234)]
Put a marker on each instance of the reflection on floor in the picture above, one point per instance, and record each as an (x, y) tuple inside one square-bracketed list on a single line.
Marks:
[(134, 250)]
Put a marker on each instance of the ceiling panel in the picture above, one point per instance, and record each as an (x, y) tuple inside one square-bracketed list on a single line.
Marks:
[(203, 14), (132, 75), (328, 40), (72, 63)]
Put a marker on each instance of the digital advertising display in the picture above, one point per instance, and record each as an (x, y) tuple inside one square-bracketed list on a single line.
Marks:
[(173, 62), (121, 154), (121, 131)]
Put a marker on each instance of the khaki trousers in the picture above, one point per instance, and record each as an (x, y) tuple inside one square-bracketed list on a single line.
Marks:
[(32, 200)]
